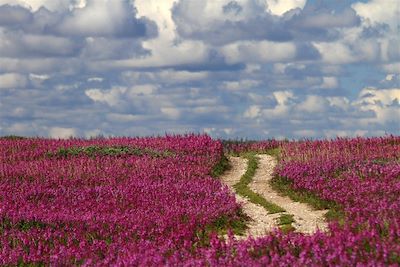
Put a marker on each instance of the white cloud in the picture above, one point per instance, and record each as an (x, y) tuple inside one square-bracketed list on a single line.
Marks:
[(335, 53), (61, 132), (283, 107), (312, 103), (145, 89), (112, 97), (278, 7), (392, 67), (384, 96), (97, 18), (12, 80), (282, 97), (53, 5), (378, 11), (340, 102), (383, 102), (389, 77), (165, 50), (117, 117), (171, 112), (167, 76), (240, 85), (329, 82), (95, 79), (252, 112)]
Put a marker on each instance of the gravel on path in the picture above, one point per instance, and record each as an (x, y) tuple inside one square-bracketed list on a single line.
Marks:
[(307, 220)]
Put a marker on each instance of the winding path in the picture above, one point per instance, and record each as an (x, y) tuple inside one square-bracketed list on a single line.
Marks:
[(261, 222), (307, 220)]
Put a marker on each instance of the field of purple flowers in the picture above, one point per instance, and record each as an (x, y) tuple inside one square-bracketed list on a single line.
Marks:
[(105, 201), (148, 201)]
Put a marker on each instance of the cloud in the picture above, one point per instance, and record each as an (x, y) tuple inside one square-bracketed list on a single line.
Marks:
[(93, 18), (12, 81), (240, 85), (259, 52), (14, 15), (19, 45), (222, 22), (335, 53), (105, 18), (376, 11), (313, 103), (111, 97), (279, 7), (61, 132), (309, 19)]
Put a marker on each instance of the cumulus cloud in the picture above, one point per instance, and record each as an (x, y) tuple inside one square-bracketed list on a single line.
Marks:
[(279, 7), (376, 11), (105, 18), (111, 97)]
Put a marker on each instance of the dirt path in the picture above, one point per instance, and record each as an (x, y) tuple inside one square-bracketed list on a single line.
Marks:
[(307, 219), (261, 222)]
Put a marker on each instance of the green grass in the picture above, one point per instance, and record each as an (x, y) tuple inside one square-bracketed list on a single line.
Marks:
[(284, 187), (108, 151), (243, 189), (275, 152), (222, 166), (221, 226), (285, 222), (12, 137)]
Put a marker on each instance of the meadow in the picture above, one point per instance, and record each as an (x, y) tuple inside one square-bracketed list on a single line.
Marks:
[(158, 201)]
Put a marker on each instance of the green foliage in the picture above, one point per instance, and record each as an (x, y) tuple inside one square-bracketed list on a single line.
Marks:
[(275, 152), (12, 137), (284, 187), (285, 222), (108, 151), (220, 167), (242, 186), (221, 226)]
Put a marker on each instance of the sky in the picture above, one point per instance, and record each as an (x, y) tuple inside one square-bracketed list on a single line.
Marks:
[(254, 69)]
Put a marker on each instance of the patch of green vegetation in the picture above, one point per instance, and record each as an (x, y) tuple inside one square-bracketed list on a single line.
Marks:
[(275, 152), (108, 151), (12, 137), (221, 226), (285, 222), (242, 186), (29, 264), (222, 166), (23, 225), (284, 187)]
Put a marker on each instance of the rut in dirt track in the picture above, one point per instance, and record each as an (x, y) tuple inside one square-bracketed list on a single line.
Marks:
[(307, 220)]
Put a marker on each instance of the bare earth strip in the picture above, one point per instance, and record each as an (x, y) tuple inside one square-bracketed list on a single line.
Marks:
[(261, 222), (307, 219)]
